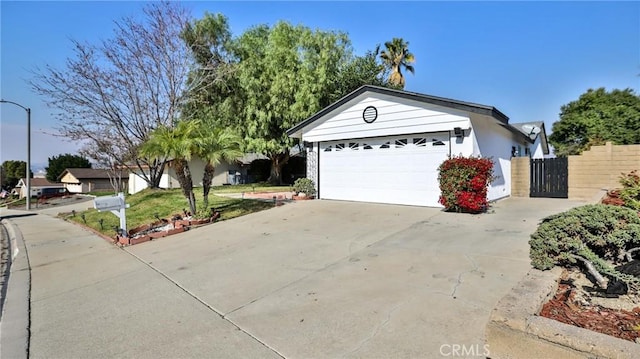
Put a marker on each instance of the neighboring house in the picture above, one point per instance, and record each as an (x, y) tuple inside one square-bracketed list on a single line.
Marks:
[(383, 145), (37, 185), (225, 173), (84, 180)]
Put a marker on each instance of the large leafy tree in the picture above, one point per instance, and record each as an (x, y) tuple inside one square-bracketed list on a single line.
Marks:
[(358, 71), (112, 94), (209, 40), (285, 73), (596, 117), (395, 57), (11, 172), (270, 78), (57, 165)]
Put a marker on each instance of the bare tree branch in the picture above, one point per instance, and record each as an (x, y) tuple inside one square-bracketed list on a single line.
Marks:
[(602, 283), (111, 95)]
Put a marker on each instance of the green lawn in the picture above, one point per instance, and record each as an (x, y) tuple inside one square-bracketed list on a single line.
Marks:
[(147, 204)]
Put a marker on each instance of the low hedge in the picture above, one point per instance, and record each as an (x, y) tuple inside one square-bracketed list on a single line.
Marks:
[(597, 236)]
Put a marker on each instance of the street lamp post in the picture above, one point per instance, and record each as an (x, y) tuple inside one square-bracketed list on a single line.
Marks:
[(28, 176)]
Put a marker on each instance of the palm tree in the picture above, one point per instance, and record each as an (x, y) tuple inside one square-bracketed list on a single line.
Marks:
[(214, 145), (177, 144), (395, 57)]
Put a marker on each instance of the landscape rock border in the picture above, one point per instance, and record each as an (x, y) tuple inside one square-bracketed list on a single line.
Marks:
[(175, 226), (515, 330)]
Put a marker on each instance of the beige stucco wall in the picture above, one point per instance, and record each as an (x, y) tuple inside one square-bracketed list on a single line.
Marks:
[(520, 176), (599, 169), (591, 174), (196, 166)]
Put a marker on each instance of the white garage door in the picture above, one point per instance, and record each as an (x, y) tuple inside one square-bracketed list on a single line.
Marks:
[(399, 169)]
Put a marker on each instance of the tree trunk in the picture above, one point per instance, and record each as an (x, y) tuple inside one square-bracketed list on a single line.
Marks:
[(157, 174), (150, 172), (207, 178), (277, 162), (183, 172)]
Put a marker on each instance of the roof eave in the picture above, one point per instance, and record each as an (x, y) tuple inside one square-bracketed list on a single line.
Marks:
[(519, 133), (296, 131)]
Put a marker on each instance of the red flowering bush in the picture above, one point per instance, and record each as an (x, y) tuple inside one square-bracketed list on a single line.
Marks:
[(464, 182)]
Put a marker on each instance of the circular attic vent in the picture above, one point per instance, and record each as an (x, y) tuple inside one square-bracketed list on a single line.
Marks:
[(369, 114)]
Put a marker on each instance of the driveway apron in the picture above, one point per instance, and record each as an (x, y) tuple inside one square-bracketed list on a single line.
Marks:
[(327, 279), (310, 279)]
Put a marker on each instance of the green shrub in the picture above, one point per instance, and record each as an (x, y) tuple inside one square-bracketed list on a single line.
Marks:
[(463, 183), (601, 234), (630, 192), (306, 186)]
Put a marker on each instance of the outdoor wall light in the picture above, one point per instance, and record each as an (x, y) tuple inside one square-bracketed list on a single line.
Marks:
[(458, 132)]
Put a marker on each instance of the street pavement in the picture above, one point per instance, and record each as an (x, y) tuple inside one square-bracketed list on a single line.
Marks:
[(310, 279)]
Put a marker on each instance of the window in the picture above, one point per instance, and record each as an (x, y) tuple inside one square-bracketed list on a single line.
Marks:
[(436, 142), (385, 145), (328, 149), (339, 146), (353, 146), (401, 143), (420, 142), (366, 147)]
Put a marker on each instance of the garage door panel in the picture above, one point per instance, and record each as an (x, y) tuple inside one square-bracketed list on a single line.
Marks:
[(400, 169)]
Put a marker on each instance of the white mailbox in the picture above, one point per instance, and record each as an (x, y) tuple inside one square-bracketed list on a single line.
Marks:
[(108, 203), (117, 206)]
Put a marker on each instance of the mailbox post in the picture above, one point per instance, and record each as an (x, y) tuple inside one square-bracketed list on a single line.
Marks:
[(116, 205)]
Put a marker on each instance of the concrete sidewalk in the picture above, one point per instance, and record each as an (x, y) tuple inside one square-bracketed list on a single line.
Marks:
[(310, 279)]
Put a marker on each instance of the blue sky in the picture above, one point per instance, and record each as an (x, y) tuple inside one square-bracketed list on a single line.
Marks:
[(525, 58)]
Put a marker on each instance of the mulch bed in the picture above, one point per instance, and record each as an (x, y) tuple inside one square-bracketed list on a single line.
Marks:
[(565, 307)]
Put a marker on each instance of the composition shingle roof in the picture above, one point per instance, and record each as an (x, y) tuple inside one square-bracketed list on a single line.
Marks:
[(92, 173), (41, 182)]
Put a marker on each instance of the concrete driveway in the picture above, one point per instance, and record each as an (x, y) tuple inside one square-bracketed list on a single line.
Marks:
[(310, 279), (328, 279)]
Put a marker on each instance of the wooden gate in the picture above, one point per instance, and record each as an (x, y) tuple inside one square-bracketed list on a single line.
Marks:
[(549, 178)]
